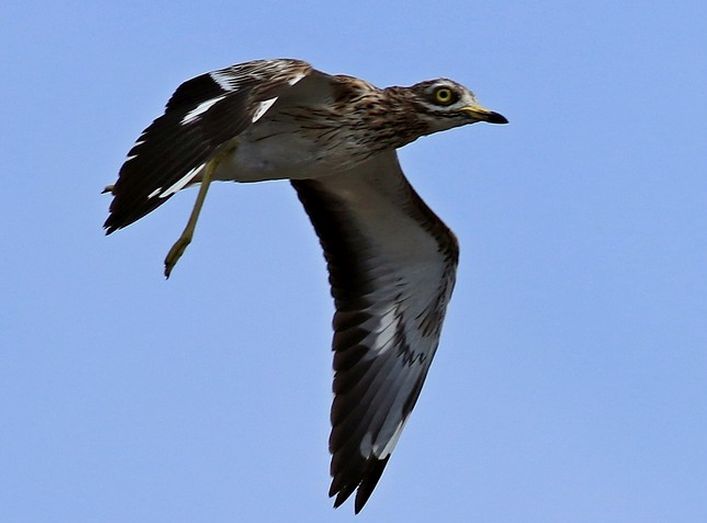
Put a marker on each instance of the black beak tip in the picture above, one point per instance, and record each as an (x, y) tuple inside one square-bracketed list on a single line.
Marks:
[(495, 117)]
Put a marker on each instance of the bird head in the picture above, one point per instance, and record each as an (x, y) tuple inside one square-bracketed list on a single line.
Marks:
[(443, 104)]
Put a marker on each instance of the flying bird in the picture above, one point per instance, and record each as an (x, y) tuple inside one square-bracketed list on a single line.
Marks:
[(391, 260)]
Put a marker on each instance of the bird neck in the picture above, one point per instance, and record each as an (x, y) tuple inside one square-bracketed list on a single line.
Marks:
[(402, 116)]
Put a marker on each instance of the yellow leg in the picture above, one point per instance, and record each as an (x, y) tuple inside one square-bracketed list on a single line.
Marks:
[(188, 233)]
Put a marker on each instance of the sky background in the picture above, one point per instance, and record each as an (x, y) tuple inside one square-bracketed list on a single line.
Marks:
[(571, 380)]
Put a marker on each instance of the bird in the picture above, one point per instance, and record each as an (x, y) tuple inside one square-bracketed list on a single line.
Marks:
[(391, 261)]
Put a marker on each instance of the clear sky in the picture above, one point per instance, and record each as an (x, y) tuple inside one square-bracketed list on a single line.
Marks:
[(571, 380)]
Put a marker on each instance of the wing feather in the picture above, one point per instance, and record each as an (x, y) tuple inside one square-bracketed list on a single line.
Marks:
[(203, 114), (392, 265)]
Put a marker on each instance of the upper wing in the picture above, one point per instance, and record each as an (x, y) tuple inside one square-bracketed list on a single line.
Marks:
[(392, 265), (202, 114)]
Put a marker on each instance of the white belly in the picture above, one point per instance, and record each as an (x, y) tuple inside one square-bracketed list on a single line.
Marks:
[(259, 154)]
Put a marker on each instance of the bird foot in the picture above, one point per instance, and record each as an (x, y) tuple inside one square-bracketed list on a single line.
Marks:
[(175, 253)]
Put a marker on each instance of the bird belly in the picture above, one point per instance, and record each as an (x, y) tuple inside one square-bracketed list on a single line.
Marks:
[(259, 155)]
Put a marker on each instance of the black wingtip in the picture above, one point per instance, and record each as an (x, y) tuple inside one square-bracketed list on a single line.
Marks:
[(364, 488), (109, 227), (341, 497), (128, 206), (368, 483), (115, 222)]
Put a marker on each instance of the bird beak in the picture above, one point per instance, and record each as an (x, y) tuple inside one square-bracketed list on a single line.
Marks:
[(477, 112)]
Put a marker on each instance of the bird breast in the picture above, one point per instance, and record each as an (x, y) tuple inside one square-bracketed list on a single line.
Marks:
[(298, 146)]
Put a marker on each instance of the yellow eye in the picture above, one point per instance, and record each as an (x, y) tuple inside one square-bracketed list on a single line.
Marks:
[(444, 95)]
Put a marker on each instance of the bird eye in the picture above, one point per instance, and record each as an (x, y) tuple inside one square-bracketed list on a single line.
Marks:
[(444, 96)]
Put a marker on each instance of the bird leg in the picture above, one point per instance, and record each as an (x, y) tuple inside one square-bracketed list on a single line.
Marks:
[(188, 233)]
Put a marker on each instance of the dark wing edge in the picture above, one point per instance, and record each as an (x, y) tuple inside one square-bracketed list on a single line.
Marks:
[(203, 114), (392, 265)]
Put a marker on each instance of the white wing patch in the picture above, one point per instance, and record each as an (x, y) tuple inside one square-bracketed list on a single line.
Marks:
[(296, 78), (368, 448), (139, 142), (224, 80), (385, 451), (262, 108), (181, 182), (201, 109), (388, 324)]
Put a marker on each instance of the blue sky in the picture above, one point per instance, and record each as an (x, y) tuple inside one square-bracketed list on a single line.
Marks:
[(570, 380)]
